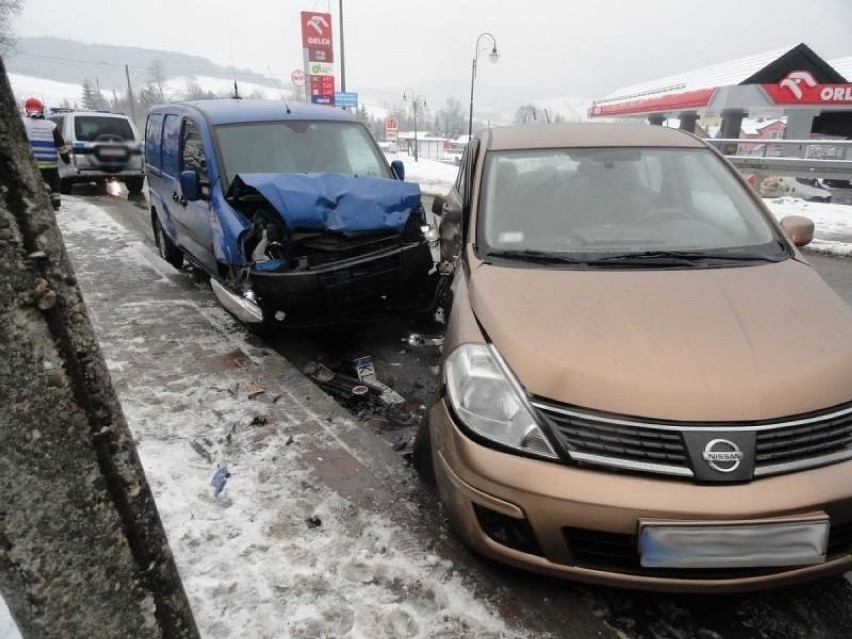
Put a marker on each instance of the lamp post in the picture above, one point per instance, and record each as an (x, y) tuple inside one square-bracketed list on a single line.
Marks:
[(414, 99), (493, 57)]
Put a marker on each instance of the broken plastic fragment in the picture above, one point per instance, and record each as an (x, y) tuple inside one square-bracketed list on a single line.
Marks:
[(255, 393), (419, 343), (220, 478)]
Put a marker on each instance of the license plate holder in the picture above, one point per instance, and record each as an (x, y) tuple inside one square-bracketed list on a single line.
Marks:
[(745, 544)]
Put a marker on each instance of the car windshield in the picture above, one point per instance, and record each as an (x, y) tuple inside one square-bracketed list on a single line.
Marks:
[(299, 147), (593, 203), (94, 128)]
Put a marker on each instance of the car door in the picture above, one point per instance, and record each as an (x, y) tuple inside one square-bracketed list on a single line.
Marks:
[(457, 206), (196, 214), (168, 182)]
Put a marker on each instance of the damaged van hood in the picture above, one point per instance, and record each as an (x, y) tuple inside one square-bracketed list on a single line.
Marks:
[(740, 343), (333, 201)]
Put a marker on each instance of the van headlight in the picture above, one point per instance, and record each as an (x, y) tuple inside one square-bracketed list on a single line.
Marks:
[(487, 398)]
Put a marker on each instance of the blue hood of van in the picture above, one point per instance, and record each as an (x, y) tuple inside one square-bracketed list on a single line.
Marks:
[(333, 201)]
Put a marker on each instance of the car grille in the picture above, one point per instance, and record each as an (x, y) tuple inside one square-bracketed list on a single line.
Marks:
[(658, 447)]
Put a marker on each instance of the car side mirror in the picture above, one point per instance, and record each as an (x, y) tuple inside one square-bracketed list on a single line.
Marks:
[(799, 229), (438, 205), (398, 169), (190, 185)]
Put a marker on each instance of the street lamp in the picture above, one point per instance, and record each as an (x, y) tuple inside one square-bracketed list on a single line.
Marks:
[(414, 100), (493, 57)]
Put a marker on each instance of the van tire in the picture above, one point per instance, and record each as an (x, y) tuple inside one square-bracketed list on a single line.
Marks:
[(166, 248), (134, 184), (421, 454), (65, 186)]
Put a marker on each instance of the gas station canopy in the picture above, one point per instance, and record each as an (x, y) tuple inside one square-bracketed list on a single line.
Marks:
[(788, 80)]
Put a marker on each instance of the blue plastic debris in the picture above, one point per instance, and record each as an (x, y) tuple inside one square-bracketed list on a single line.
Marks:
[(220, 478)]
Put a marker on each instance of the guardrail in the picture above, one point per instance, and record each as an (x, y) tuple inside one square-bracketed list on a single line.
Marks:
[(830, 159)]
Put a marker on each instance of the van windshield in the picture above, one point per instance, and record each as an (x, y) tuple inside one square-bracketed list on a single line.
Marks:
[(299, 147), (588, 203)]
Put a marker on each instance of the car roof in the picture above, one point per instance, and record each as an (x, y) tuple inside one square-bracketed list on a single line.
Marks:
[(238, 110), (588, 134)]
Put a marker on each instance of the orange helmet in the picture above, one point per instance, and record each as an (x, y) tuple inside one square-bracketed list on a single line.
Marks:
[(34, 105)]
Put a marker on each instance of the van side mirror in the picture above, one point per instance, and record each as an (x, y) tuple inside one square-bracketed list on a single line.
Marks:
[(799, 229), (398, 169), (190, 185), (438, 205)]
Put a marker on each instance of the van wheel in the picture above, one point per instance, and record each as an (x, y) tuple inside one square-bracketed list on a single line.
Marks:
[(65, 186), (134, 184), (166, 248), (421, 454)]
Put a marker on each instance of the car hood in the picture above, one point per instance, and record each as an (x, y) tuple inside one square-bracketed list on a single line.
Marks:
[(332, 201), (738, 343)]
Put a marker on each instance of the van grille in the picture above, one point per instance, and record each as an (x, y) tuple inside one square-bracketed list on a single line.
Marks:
[(628, 443)]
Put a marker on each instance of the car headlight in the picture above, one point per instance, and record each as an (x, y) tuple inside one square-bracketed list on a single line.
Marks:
[(489, 401)]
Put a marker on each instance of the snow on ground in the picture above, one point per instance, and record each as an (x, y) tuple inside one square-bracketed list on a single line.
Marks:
[(51, 93), (251, 565), (832, 222), (434, 177)]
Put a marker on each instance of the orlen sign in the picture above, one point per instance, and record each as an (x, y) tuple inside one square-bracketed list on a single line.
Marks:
[(317, 36), (800, 87)]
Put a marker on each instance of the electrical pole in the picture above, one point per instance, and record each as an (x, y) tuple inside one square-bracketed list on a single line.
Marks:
[(130, 94)]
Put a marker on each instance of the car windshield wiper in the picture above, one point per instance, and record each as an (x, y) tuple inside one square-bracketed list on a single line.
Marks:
[(539, 257), (688, 257)]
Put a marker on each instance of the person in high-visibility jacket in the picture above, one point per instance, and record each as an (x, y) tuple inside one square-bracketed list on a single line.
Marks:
[(48, 146)]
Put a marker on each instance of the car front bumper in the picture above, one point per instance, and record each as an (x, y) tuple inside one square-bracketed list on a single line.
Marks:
[(584, 523)]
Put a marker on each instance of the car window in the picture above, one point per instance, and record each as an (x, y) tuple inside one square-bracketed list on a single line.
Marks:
[(193, 157), (59, 121), (616, 200), (153, 131), (169, 146), (94, 128), (299, 147)]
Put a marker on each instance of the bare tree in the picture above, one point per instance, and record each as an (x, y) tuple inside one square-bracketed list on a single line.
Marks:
[(82, 549), (156, 77), (8, 9)]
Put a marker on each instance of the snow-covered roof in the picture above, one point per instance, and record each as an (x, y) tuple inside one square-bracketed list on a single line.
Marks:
[(717, 75), (843, 66)]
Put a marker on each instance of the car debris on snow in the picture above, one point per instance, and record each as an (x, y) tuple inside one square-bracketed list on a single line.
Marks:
[(220, 478)]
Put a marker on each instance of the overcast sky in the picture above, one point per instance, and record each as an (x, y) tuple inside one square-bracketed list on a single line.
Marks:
[(549, 48)]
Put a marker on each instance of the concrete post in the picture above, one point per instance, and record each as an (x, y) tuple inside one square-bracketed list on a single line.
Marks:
[(688, 120), (655, 120), (82, 549), (732, 123)]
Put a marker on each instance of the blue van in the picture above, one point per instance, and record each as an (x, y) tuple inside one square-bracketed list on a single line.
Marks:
[(292, 209)]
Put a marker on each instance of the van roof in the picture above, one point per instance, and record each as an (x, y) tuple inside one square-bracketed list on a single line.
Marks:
[(234, 110), (588, 134)]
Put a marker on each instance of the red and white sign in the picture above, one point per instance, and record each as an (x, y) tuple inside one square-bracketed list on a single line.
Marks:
[(317, 36), (298, 78), (391, 130), (800, 87), (322, 84)]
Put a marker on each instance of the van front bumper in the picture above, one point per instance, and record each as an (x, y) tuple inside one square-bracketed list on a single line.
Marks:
[(583, 524), (392, 281)]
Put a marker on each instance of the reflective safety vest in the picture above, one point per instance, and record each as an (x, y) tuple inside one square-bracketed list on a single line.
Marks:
[(46, 142)]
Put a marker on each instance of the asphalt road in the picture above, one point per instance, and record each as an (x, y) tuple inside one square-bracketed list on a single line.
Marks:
[(820, 610)]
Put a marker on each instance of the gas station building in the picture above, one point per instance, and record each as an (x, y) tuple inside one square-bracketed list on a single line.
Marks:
[(813, 95)]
